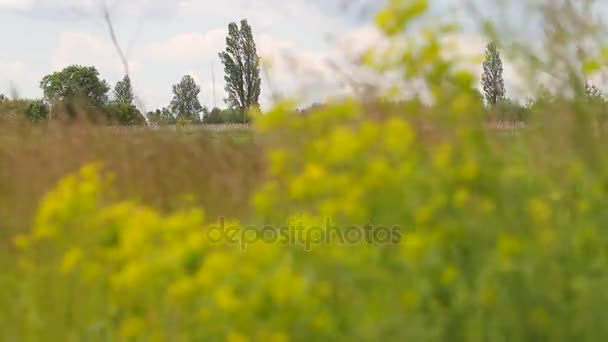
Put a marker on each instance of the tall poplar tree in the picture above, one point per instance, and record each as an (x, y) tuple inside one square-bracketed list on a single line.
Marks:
[(492, 78), (241, 67)]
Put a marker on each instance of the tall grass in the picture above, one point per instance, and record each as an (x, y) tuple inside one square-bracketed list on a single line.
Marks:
[(160, 167)]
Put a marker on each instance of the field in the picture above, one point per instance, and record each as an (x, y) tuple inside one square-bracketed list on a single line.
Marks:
[(333, 225), (444, 215)]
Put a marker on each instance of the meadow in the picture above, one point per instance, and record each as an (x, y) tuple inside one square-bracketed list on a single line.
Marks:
[(188, 234)]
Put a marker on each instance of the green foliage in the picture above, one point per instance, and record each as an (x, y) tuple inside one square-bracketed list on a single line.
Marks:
[(242, 67), (123, 91), (16, 110), (161, 117), (76, 83), (12, 110), (223, 116), (185, 103), (37, 111), (125, 114), (492, 78)]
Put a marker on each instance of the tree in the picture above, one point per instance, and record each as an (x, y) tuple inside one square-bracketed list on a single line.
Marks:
[(185, 103), (241, 67), (223, 116), (123, 91), (593, 93), (76, 83), (37, 111), (213, 117), (161, 117), (124, 114), (492, 79)]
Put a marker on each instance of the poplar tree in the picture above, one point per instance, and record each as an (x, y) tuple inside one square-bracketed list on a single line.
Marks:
[(492, 78), (241, 67)]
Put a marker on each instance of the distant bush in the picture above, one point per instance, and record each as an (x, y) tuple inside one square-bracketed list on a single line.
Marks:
[(161, 117), (124, 114), (223, 116), (23, 109)]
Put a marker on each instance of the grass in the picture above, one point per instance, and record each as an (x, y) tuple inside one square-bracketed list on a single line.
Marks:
[(217, 169)]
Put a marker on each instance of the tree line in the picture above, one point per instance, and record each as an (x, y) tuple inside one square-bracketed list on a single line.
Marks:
[(503, 108), (78, 88), (81, 87)]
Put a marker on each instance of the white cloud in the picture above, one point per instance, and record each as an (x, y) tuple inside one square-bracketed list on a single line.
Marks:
[(16, 4), (185, 37), (187, 46), (85, 49), (13, 72)]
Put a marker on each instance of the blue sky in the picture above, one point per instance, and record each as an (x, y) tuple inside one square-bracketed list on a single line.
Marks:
[(168, 39)]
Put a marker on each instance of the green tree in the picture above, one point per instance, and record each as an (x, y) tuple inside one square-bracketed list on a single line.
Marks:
[(123, 91), (213, 117), (124, 114), (241, 67), (76, 83), (37, 111), (492, 78), (185, 103), (161, 117)]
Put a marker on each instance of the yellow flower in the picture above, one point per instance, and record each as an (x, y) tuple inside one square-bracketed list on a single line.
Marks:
[(132, 327), (442, 157), (508, 246), (287, 285), (343, 145), (461, 197), (21, 242), (314, 172), (414, 245), (470, 170), (225, 299), (70, 259), (398, 135), (129, 277), (298, 188), (182, 289), (278, 161), (236, 337)]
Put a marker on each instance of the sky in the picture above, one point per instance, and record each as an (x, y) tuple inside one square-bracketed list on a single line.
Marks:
[(164, 40)]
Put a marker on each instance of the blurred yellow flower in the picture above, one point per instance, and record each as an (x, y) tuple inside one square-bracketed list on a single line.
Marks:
[(70, 259)]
